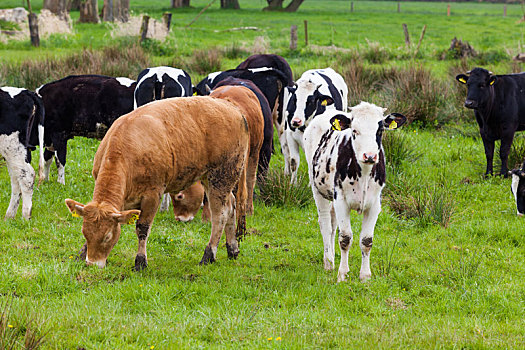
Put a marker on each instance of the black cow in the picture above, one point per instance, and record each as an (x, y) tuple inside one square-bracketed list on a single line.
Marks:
[(266, 150), (21, 129), (518, 188), (161, 82), (81, 105), (498, 102)]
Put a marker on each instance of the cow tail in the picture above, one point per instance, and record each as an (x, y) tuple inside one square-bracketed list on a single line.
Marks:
[(240, 200)]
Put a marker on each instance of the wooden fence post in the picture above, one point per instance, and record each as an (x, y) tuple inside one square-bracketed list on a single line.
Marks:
[(293, 37), (504, 10), (166, 18), (306, 32), (352, 6), (407, 36), (144, 28), (33, 29), (420, 39), (448, 10), (398, 7)]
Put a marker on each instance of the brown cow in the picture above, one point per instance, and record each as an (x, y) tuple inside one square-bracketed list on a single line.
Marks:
[(166, 146), (249, 105)]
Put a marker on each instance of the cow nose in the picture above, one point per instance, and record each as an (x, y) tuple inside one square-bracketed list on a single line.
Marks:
[(369, 157), (470, 104), (180, 196), (296, 122)]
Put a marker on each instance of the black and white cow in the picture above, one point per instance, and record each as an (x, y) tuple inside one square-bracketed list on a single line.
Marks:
[(21, 129), (518, 188), (498, 102), (346, 165), (157, 83), (315, 92), (80, 105)]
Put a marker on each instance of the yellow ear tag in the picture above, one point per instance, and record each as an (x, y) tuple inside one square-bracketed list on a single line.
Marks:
[(133, 219), (462, 80), (195, 93), (75, 214), (492, 82), (392, 125), (336, 125), (324, 103)]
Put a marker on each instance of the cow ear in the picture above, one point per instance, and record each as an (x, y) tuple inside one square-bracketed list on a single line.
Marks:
[(340, 122), (127, 217), (394, 120), (492, 79), (76, 208), (196, 91), (326, 100), (462, 78)]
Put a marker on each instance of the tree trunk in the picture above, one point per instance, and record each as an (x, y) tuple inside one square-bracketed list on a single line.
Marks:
[(293, 6), (230, 4), (73, 5), (89, 11), (180, 3), (115, 10), (274, 5), (58, 7), (186, 3), (33, 29)]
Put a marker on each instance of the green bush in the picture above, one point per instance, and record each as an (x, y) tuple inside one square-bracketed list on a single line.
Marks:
[(277, 190)]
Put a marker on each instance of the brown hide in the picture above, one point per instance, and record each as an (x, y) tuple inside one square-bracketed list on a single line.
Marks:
[(166, 146), (187, 203), (249, 105)]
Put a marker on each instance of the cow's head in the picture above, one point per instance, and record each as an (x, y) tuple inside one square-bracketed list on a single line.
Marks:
[(518, 188), (367, 122), (187, 203), (304, 102), (479, 82), (101, 227)]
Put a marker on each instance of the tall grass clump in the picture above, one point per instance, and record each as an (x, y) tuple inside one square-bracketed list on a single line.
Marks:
[(517, 152), (205, 61), (277, 190), (417, 94), (235, 52), (399, 147), (361, 80), (112, 61), (409, 198), (20, 331), (375, 53)]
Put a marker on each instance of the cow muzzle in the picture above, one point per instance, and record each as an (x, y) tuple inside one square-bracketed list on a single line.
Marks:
[(296, 123), (369, 158), (101, 264), (471, 104)]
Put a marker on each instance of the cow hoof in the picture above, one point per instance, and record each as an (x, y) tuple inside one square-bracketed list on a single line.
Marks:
[(208, 257), (82, 253), (364, 277), (341, 277), (233, 250), (328, 265), (140, 262)]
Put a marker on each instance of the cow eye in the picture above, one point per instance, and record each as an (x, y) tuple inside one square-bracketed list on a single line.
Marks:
[(355, 132)]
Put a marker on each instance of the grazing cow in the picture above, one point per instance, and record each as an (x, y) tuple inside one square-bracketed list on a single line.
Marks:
[(187, 203), (267, 147), (498, 102), (21, 129), (164, 147), (518, 188), (80, 105), (162, 82), (248, 104), (316, 91), (346, 164)]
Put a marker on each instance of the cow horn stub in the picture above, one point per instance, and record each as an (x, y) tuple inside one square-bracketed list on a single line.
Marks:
[(468, 72)]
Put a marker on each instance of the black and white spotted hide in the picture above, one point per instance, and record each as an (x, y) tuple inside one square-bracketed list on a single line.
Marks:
[(157, 83), (346, 165), (518, 188), (317, 91), (21, 129)]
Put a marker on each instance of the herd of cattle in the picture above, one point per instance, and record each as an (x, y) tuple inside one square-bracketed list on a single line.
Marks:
[(210, 143)]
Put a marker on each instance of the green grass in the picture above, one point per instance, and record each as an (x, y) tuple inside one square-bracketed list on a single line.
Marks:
[(438, 281)]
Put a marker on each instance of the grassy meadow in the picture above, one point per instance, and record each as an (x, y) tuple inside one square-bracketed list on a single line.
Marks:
[(448, 259)]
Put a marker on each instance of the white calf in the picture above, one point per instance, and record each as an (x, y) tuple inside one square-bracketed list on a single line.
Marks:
[(346, 165)]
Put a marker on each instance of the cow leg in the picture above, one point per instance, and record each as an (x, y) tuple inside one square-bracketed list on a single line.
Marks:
[(366, 239), (26, 181), (342, 213), (61, 161), (325, 225), (22, 178), (295, 156), (285, 150), (48, 158), (165, 204), (232, 246), (15, 192), (489, 154), (251, 178), (220, 215), (334, 230), (148, 206), (504, 150)]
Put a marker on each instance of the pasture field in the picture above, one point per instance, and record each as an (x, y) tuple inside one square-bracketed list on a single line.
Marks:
[(448, 259)]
